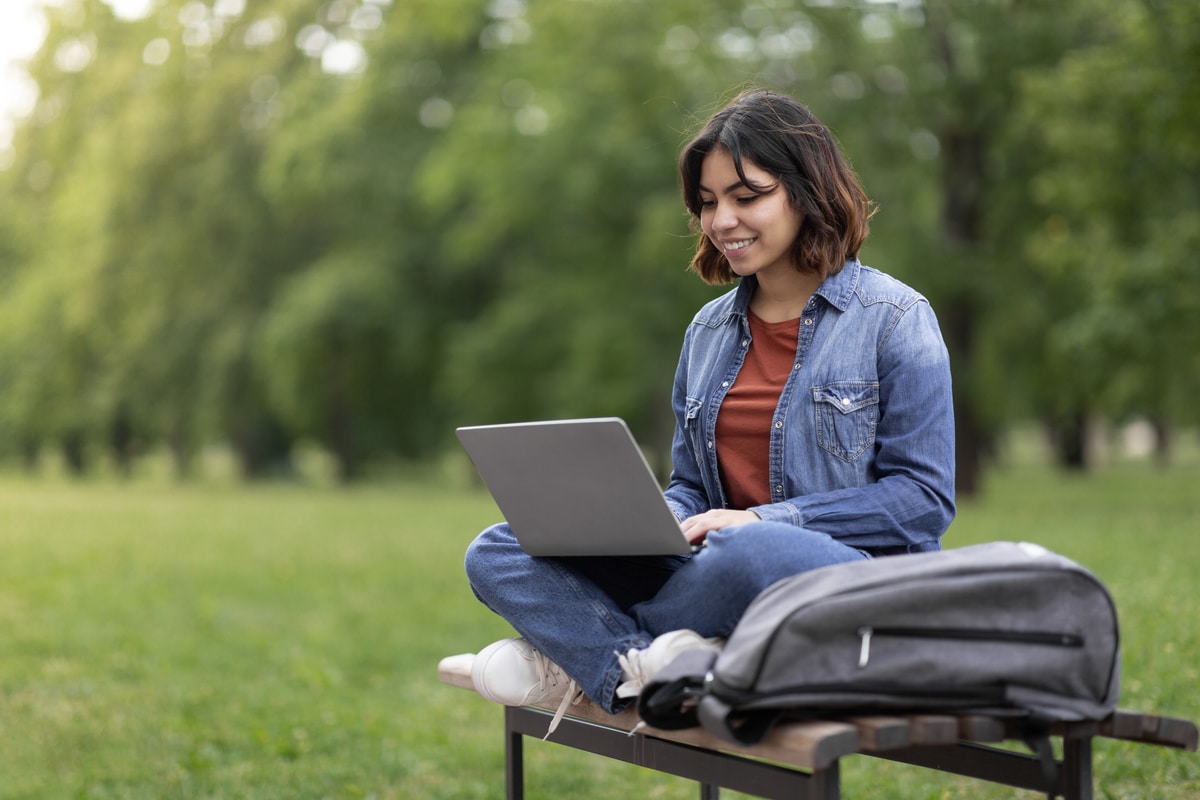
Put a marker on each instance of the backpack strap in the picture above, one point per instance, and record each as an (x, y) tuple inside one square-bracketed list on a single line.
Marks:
[(668, 700), (1035, 732), (740, 727)]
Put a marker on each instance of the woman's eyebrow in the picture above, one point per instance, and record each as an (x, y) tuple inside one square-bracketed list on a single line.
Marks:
[(730, 188)]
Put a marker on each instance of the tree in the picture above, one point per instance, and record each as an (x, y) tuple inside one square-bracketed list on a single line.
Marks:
[(354, 340), (364, 223), (570, 237), (1118, 242), (923, 97)]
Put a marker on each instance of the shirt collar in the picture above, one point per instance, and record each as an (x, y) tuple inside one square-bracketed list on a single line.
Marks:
[(836, 289), (839, 288)]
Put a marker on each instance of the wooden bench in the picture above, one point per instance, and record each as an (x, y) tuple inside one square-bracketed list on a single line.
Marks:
[(800, 760)]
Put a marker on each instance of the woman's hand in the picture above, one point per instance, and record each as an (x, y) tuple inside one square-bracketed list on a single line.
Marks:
[(698, 527)]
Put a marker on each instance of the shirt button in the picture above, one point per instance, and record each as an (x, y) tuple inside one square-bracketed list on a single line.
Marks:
[(845, 401), (798, 365), (745, 342), (778, 490), (724, 384), (779, 424), (710, 445), (808, 321)]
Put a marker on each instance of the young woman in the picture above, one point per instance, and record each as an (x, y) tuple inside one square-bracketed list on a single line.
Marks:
[(813, 426)]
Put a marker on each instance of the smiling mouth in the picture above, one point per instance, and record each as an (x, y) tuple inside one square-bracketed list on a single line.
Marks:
[(740, 244)]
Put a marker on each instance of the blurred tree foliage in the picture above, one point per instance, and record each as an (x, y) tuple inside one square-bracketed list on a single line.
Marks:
[(362, 222)]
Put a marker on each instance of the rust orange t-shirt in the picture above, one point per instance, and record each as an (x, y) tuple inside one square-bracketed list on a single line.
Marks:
[(744, 421)]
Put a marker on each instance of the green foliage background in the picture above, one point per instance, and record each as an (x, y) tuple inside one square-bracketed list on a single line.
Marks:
[(358, 223)]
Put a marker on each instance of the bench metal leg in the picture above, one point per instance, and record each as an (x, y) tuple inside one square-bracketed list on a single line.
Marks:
[(1075, 775), (514, 760)]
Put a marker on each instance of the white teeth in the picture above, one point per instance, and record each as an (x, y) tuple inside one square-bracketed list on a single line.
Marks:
[(737, 245)]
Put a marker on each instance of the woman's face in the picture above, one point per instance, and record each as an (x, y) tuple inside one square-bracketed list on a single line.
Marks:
[(752, 223)]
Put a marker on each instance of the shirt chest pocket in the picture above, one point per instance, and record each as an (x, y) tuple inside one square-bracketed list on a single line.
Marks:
[(846, 415)]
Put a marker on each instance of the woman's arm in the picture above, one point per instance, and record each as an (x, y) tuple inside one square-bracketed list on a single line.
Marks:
[(910, 503)]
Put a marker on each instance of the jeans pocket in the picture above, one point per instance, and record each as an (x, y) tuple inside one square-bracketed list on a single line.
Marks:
[(846, 415)]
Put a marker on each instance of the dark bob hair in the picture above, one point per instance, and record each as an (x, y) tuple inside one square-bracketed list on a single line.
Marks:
[(782, 136)]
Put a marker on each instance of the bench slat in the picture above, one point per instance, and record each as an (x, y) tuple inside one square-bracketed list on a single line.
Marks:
[(929, 729), (882, 733), (817, 744), (810, 745), (974, 728), (1150, 729)]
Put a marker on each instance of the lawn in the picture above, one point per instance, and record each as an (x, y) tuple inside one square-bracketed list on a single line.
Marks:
[(211, 641)]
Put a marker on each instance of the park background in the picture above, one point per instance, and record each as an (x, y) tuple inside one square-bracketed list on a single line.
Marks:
[(258, 258)]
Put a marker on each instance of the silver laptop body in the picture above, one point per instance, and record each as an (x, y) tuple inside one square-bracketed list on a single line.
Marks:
[(576, 487)]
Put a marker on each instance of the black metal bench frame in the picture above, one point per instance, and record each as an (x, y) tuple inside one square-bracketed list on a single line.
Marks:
[(714, 769), (801, 760)]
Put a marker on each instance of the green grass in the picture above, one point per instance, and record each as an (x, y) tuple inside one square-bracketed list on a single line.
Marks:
[(280, 642)]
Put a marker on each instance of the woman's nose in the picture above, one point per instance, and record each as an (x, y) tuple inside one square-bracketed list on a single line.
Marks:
[(724, 217)]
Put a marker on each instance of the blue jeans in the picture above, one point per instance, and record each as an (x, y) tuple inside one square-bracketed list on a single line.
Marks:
[(580, 612)]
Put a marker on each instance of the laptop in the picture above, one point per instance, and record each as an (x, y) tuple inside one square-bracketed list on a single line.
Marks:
[(575, 487)]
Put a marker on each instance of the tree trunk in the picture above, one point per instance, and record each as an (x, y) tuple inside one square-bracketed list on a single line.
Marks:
[(962, 199), (969, 436), (73, 453), (120, 434), (181, 450), (963, 137), (262, 445), (339, 422), (1163, 439), (31, 452), (1068, 436)]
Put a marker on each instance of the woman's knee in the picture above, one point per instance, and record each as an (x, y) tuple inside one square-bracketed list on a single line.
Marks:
[(769, 551), (487, 553)]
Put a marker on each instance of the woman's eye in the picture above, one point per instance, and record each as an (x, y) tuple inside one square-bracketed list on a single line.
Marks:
[(707, 203), (748, 199)]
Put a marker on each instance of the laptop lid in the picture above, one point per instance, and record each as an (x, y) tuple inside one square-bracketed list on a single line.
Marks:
[(577, 487)]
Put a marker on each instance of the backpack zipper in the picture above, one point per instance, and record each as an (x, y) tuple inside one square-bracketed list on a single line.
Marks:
[(1048, 638)]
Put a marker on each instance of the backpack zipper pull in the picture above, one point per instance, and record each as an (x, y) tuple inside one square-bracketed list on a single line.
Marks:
[(864, 653)]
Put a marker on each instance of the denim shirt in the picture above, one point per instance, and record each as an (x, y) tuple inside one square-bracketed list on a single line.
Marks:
[(862, 440)]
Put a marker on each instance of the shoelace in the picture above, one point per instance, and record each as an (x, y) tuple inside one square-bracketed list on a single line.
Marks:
[(573, 697), (632, 664), (550, 674)]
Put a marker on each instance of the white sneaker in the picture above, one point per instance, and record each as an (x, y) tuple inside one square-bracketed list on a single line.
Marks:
[(639, 666), (514, 673)]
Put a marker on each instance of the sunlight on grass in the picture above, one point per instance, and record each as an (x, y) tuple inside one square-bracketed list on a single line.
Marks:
[(276, 641)]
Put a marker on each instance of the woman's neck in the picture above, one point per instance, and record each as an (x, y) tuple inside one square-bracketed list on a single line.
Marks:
[(783, 297)]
